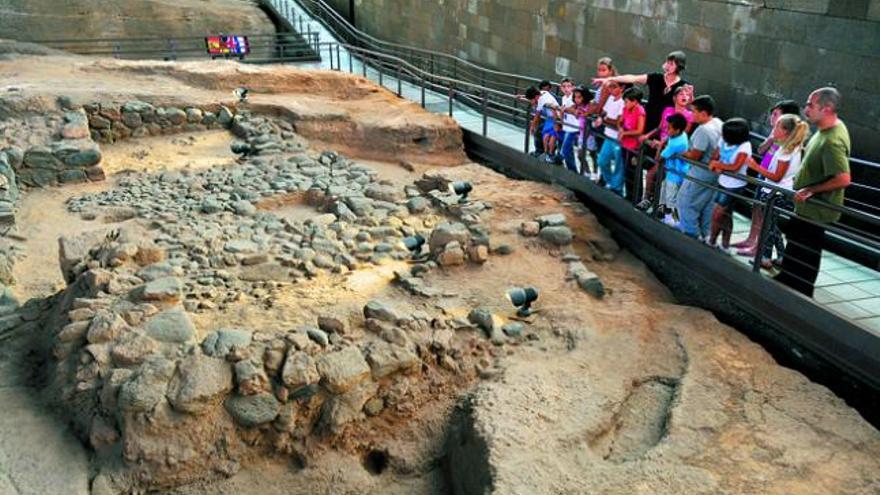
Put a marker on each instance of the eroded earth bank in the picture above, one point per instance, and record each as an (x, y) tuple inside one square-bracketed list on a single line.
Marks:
[(181, 318)]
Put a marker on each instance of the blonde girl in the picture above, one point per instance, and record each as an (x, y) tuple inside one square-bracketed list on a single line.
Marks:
[(791, 132)]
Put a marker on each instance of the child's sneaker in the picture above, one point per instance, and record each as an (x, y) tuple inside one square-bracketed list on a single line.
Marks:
[(643, 205), (548, 158), (671, 221), (726, 250)]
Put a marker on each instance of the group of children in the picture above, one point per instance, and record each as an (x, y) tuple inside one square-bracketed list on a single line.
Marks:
[(610, 123)]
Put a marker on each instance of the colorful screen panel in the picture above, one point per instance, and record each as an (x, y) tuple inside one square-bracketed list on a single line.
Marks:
[(227, 45)]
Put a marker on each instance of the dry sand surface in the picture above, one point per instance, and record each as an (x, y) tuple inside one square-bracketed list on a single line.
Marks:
[(628, 394)]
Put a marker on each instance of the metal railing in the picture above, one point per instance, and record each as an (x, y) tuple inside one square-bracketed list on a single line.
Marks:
[(490, 101), (264, 48), (861, 196)]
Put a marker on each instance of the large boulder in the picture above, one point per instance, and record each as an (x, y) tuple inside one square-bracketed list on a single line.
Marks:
[(147, 387), (342, 370), (201, 383), (172, 325), (386, 359), (299, 370)]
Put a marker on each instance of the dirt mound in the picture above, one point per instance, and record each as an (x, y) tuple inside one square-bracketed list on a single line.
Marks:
[(337, 110)]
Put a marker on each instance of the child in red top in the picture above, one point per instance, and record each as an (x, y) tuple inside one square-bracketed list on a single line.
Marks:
[(633, 119), (632, 126)]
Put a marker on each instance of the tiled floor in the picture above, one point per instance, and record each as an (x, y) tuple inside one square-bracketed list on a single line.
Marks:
[(843, 286)]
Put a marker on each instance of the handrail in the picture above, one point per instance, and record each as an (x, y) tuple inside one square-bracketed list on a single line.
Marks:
[(362, 37), (327, 9), (404, 65)]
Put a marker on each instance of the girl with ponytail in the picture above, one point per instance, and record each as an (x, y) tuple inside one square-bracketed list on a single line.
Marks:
[(791, 132)]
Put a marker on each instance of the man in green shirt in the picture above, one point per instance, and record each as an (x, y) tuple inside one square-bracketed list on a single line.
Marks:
[(824, 175)]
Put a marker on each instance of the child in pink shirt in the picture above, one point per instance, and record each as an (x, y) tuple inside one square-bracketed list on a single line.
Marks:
[(633, 119), (632, 126)]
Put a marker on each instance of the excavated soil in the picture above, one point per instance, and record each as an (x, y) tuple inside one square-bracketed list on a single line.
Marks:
[(630, 393)]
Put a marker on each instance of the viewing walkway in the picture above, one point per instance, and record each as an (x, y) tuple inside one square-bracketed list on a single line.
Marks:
[(843, 286)]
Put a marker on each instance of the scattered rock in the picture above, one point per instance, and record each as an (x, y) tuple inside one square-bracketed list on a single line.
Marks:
[(253, 410), (451, 255), (166, 289), (557, 235), (380, 311), (478, 253), (374, 406), (530, 229), (331, 324), (342, 370), (483, 319), (551, 220), (319, 336), (222, 342), (513, 329), (445, 233)]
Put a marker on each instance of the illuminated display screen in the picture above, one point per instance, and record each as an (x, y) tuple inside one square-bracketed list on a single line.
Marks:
[(227, 45)]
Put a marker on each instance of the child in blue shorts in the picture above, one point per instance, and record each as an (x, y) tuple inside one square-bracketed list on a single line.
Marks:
[(553, 137), (676, 168), (731, 156)]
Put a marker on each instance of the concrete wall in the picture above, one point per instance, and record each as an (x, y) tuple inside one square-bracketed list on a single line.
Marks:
[(746, 53), (34, 20)]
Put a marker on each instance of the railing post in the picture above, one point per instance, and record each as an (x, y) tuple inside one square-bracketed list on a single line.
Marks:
[(528, 139), (515, 100), (769, 211), (338, 59), (364, 64), (637, 176), (451, 96), (399, 84), (484, 108), (379, 69), (659, 177), (423, 90), (117, 51)]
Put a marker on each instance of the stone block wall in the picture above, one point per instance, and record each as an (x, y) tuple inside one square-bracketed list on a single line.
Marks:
[(746, 53), (67, 156), (136, 119)]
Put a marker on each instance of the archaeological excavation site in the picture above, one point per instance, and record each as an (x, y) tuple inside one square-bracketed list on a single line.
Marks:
[(318, 288)]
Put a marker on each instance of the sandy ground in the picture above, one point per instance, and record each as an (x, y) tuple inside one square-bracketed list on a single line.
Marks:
[(629, 394)]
